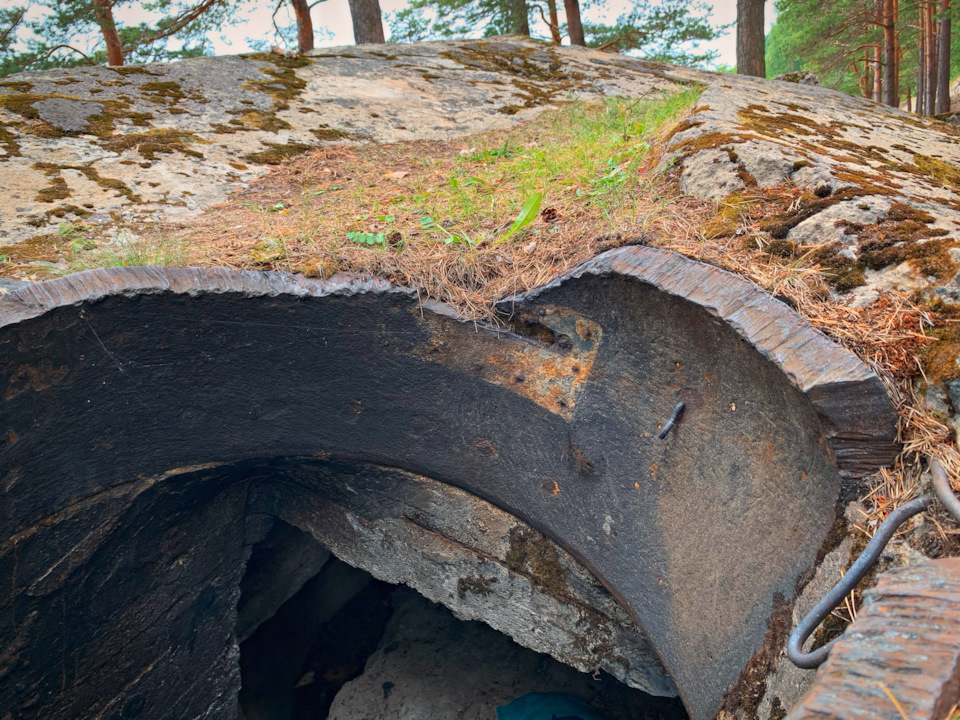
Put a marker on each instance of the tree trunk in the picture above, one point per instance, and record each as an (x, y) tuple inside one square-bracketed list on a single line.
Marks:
[(519, 18), (866, 80), (921, 65), (554, 21), (750, 39), (304, 25), (574, 26), (877, 75), (943, 61), (909, 104), (891, 91), (930, 81), (367, 22), (103, 11)]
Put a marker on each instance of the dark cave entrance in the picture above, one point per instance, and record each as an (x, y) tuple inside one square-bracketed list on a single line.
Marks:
[(321, 639)]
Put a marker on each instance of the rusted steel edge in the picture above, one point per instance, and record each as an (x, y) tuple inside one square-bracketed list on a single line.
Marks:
[(858, 416), (91, 285)]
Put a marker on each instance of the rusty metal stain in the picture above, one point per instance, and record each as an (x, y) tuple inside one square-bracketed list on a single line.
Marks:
[(547, 373), (28, 377), (550, 486)]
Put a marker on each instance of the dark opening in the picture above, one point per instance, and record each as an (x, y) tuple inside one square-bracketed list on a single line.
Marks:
[(321, 639)]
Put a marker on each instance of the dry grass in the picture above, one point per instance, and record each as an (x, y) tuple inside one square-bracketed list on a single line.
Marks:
[(437, 213)]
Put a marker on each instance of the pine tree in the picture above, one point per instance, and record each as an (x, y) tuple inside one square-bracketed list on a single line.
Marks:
[(669, 31), (750, 38), (53, 39), (882, 49)]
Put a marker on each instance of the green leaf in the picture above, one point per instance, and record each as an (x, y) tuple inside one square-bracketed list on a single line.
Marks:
[(528, 213), (427, 222)]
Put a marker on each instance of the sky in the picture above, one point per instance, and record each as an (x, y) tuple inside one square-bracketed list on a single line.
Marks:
[(331, 20)]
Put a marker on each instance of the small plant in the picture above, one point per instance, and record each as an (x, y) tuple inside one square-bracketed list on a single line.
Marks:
[(528, 213), (86, 254), (367, 238), (492, 155)]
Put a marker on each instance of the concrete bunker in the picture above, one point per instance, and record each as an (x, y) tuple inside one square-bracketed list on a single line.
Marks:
[(124, 386)]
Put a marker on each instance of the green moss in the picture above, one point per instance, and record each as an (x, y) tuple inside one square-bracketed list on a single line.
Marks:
[(842, 272), (890, 242), (329, 133), (22, 104), (532, 555), (64, 210), (779, 225), (761, 120), (475, 586), (530, 63), (101, 124), (509, 109), (153, 142), (39, 248), (163, 91), (263, 121), (20, 86), (132, 70), (8, 141), (283, 83), (139, 119), (56, 190), (707, 141), (944, 172), (277, 153)]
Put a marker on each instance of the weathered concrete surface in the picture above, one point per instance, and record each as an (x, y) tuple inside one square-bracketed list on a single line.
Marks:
[(429, 666), (114, 375), (904, 642), (165, 141), (464, 553)]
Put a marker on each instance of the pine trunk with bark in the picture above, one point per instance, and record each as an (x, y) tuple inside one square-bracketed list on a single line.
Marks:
[(921, 65), (750, 38), (103, 11), (930, 61), (943, 59), (301, 9), (891, 85), (519, 18), (866, 79), (554, 21), (877, 74), (574, 26), (367, 22)]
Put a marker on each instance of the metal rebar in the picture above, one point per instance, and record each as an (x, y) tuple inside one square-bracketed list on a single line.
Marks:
[(677, 412), (941, 485), (832, 599)]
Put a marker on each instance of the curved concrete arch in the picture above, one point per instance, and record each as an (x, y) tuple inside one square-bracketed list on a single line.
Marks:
[(113, 377)]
